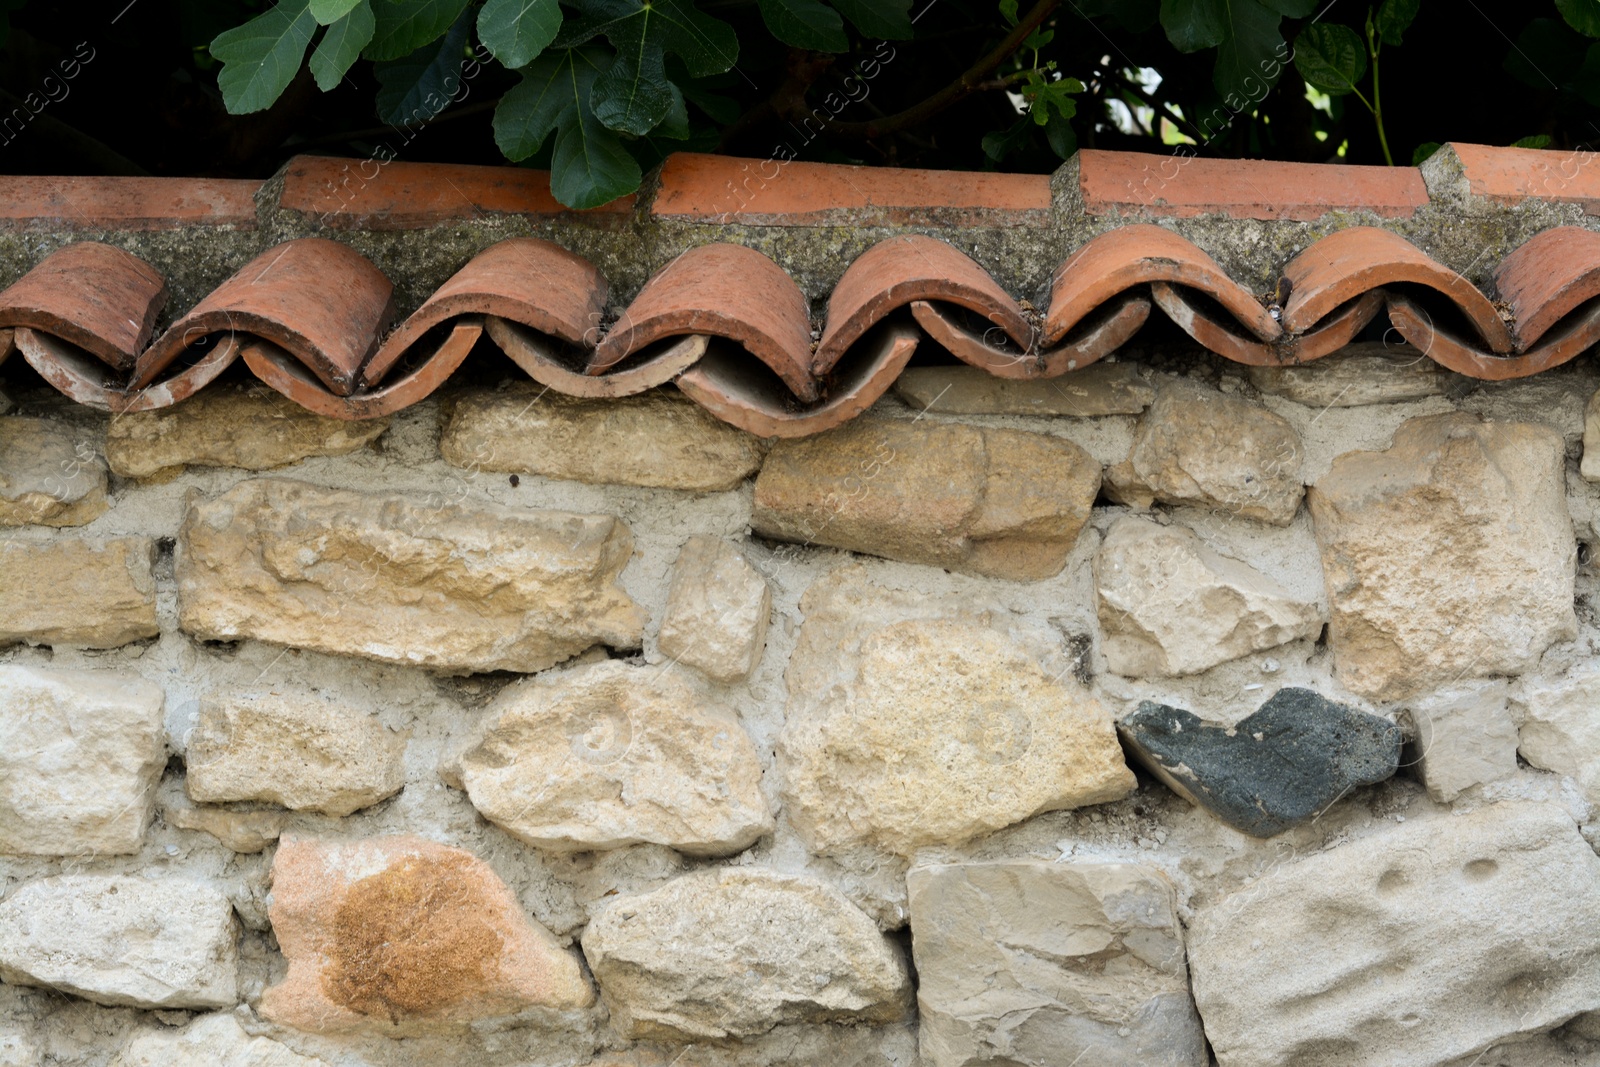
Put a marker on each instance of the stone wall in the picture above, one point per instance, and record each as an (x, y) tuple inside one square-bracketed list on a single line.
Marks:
[(1211, 712)]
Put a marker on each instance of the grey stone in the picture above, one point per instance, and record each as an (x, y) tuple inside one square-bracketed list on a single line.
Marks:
[(1098, 389), (1289, 760)]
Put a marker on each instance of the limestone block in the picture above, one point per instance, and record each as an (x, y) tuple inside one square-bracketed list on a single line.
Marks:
[(734, 951), (1590, 467), (661, 439), (1198, 446), (999, 503), (95, 592), (18, 1048), (122, 941), (1035, 964), (241, 831), (454, 588), (1098, 389), (80, 755), (402, 936), (209, 1041), (302, 751), (607, 755), (49, 475), (913, 722), (717, 609), (1560, 729), (1169, 605), (1450, 555), (1422, 944), (1367, 372), (1464, 736)]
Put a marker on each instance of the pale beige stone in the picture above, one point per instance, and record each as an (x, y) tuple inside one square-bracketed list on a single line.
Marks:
[(1463, 737), (255, 428), (301, 751), (17, 1048), (1033, 963), (1422, 944), (1198, 446), (1451, 555), (914, 722), (241, 831), (717, 610), (607, 755), (660, 438), (1099, 389), (1170, 605), (209, 1041), (735, 951), (95, 592), (1560, 726), (80, 755), (450, 587), (1367, 372), (1590, 466), (168, 942), (999, 503), (50, 475)]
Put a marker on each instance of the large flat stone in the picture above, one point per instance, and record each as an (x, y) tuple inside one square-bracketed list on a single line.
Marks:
[(1367, 372), (1098, 389), (660, 439), (998, 503), (1169, 605), (607, 755), (403, 937), (449, 587), (1463, 737), (1423, 944), (50, 475), (166, 942), (915, 722), (1451, 555), (717, 610), (209, 1041), (1560, 727), (80, 755), (1032, 963), (94, 592), (735, 951)]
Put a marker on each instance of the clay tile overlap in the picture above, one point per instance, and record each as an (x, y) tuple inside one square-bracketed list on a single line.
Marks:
[(1332, 333), (100, 298), (1548, 277)]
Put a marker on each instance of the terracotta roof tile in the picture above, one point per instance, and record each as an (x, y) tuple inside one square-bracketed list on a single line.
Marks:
[(100, 298), (1509, 175), (1332, 333), (103, 203)]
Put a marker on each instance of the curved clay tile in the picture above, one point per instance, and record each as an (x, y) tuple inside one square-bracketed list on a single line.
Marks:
[(1134, 255), (536, 354), (901, 270), (1548, 277), (1347, 263), (721, 290), (726, 384), (321, 301), (1332, 333), (1438, 342), (100, 298), (1102, 332), (90, 382)]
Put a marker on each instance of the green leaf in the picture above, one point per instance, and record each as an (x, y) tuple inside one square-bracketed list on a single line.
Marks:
[(634, 94), (805, 24), (516, 31), (1538, 140), (1394, 16), (1008, 11), (1252, 56), (1000, 144), (1330, 57), (1295, 9), (327, 12), (886, 19), (1063, 140), (676, 124), (1586, 79), (1135, 16), (1193, 25), (341, 45), (1546, 54), (1423, 151), (406, 25), (1581, 15), (261, 58), (415, 89), (723, 110)]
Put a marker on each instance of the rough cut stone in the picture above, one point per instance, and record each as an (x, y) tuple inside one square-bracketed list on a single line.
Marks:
[(1098, 389), (999, 503), (1450, 555), (717, 609), (904, 731), (80, 755), (1367, 372), (402, 936), (607, 755), (660, 439), (1590, 467), (1198, 446), (98, 593), (122, 941), (1169, 605), (253, 428), (1281, 766), (429, 584), (735, 951), (1463, 736), (298, 750), (1560, 728), (210, 1041), (1420, 945), (241, 831), (18, 1049), (1031, 963), (49, 475)]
